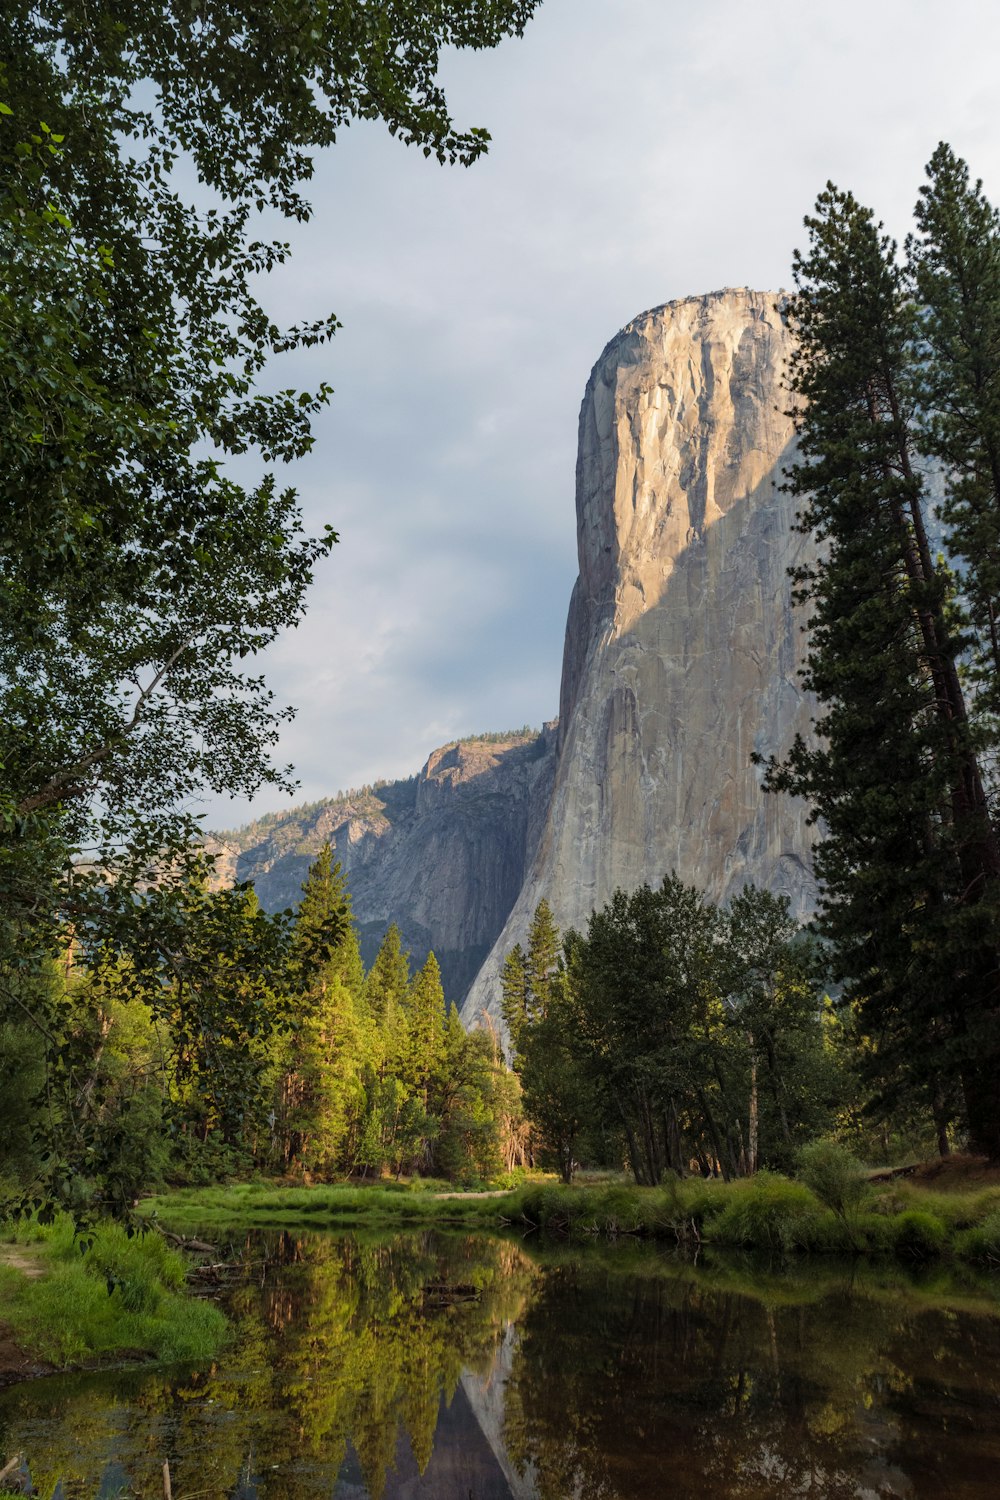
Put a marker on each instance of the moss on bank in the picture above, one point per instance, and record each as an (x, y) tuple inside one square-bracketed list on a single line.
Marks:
[(70, 1303), (767, 1213)]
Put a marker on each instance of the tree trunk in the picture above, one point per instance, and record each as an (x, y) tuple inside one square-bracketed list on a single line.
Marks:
[(709, 1119), (981, 1088), (752, 1124), (939, 1109)]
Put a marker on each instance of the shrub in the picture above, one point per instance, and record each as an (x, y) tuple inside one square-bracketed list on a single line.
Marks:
[(766, 1212), (919, 1236), (982, 1242), (836, 1177)]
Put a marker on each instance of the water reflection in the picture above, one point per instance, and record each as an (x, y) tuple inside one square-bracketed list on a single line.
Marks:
[(423, 1366)]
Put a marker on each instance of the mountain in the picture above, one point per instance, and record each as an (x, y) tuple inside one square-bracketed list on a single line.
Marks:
[(442, 854), (682, 658), (683, 645)]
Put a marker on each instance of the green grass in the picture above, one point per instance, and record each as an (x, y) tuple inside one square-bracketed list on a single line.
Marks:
[(765, 1213), (120, 1295)]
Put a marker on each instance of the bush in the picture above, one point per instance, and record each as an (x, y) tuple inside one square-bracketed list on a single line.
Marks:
[(981, 1243), (766, 1212), (919, 1236), (836, 1177)]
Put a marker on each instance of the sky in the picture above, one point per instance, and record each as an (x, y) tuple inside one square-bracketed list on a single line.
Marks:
[(642, 150)]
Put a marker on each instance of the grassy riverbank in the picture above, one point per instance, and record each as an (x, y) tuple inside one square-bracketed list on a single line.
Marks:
[(767, 1212), (119, 1296)]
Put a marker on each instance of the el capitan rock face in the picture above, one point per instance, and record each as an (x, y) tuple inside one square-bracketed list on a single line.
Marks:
[(682, 658), (682, 645)]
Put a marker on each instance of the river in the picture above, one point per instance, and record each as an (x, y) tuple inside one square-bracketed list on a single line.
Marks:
[(433, 1367)]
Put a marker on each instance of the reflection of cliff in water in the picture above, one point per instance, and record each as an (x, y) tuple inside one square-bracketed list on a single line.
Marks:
[(462, 1463), (424, 1367)]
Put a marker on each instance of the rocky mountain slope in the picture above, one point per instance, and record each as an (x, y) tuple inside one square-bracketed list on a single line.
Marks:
[(682, 656), (443, 854), (682, 644)]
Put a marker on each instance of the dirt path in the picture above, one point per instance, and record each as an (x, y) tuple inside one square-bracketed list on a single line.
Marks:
[(487, 1193), (21, 1258)]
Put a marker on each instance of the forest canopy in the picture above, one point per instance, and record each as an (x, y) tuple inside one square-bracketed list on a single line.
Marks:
[(139, 578)]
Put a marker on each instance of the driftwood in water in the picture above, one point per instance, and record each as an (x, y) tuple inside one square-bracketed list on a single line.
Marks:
[(444, 1295)]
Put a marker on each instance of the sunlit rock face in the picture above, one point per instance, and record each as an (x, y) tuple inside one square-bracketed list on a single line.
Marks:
[(683, 646)]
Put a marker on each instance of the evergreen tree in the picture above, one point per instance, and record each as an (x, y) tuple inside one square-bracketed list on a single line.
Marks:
[(536, 1011), (542, 960), (514, 991), (909, 860), (955, 263), (319, 1095), (470, 1103), (388, 980), (425, 1024)]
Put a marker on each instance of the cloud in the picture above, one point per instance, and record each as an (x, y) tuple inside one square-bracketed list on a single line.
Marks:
[(641, 152)]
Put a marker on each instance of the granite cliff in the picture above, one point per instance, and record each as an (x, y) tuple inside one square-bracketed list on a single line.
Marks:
[(681, 659), (443, 854), (682, 643)]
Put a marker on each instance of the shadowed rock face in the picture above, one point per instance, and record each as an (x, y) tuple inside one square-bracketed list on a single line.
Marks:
[(443, 854), (682, 644)]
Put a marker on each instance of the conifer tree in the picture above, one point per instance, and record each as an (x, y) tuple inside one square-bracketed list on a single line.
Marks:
[(514, 989), (388, 979), (425, 1023), (320, 1097), (909, 859), (955, 263), (536, 1011), (542, 960)]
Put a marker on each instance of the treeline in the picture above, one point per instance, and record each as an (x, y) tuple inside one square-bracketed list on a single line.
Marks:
[(259, 1044), (676, 1036)]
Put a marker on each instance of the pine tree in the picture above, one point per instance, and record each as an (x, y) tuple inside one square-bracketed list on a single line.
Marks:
[(514, 987), (425, 1022), (320, 1096), (909, 860), (955, 262), (388, 978), (543, 957), (536, 1012)]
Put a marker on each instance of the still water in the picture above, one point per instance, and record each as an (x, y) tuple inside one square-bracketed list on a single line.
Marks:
[(423, 1367)]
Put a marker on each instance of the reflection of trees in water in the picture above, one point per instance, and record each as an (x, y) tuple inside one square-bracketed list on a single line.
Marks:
[(631, 1379), (643, 1386), (337, 1342)]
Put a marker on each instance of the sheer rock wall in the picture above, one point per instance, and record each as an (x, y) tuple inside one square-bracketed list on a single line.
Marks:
[(682, 643)]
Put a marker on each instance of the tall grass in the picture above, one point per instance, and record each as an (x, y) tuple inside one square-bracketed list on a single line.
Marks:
[(767, 1212), (119, 1294)]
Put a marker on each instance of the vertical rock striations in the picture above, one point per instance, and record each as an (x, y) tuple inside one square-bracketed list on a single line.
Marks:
[(682, 643)]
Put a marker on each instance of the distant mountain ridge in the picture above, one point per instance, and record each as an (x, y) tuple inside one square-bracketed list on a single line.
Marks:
[(442, 853)]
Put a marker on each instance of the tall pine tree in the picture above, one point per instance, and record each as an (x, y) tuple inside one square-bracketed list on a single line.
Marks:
[(955, 263), (319, 1095), (909, 859)]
